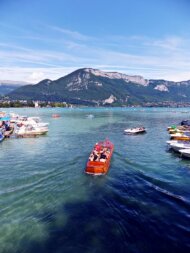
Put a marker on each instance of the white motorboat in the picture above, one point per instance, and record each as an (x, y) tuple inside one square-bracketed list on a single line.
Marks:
[(185, 152), (137, 130), (35, 121), (30, 131), (178, 146)]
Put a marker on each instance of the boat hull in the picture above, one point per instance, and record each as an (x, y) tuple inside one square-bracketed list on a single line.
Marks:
[(135, 131), (2, 138), (180, 138), (178, 147), (28, 135), (185, 152)]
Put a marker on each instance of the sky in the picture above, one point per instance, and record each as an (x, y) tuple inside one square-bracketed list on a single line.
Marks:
[(51, 38)]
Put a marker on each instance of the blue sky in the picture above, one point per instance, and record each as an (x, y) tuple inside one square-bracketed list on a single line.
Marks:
[(50, 38)]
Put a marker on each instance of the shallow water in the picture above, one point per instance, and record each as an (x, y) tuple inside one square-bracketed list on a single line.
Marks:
[(48, 204)]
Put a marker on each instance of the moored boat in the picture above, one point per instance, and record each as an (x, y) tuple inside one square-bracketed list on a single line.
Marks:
[(173, 127), (100, 158), (179, 136), (30, 131), (174, 131), (178, 146)]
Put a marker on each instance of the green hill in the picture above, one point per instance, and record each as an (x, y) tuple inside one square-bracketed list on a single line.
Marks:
[(95, 87)]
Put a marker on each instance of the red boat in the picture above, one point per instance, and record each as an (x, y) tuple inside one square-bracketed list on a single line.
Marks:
[(56, 116), (100, 157)]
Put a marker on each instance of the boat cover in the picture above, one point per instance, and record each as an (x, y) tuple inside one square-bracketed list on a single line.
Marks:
[(185, 123)]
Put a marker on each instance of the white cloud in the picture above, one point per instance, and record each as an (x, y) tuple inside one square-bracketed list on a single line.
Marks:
[(165, 58), (33, 75), (36, 76), (73, 34), (170, 43)]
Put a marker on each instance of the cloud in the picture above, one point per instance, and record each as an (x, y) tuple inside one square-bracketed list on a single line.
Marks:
[(55, 56), (36, 76), (171, 43), (73, 34), (33, 75)]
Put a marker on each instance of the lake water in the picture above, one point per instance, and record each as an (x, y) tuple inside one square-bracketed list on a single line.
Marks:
[(48, 204)]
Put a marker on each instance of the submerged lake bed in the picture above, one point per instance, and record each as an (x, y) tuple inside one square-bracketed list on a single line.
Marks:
[(48, 204)]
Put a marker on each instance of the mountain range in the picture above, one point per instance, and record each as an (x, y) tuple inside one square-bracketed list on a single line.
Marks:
[(7, 86), (89, 86)]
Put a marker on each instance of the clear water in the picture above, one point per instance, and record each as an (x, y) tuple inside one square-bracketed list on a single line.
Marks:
[(48, 204)]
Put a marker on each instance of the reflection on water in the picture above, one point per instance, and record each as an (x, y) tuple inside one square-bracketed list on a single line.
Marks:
[(48, 204)]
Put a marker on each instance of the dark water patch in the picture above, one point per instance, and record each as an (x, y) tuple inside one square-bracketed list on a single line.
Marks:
[(102, 224)]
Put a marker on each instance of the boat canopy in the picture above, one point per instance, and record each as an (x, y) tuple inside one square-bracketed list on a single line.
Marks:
[(185, 123), (6, 118)]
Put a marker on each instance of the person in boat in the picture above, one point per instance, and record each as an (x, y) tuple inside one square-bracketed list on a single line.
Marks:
[(94, 156), (98, 147), (7, 126), (91, 157), (103, 157)]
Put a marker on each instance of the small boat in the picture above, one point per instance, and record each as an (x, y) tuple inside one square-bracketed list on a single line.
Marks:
[(100, 158), (174, 131), (178, 146), (185, 152), (181, 137), (56, 115), (137, 130), (90, 116)]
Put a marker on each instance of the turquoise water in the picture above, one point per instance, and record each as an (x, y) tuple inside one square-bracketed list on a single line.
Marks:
[(48, 204)]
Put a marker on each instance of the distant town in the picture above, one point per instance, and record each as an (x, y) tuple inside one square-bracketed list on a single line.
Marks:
[(48, 104)]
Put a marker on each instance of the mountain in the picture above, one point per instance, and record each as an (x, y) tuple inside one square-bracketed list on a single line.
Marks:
[(94, 87), (8, 86)]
